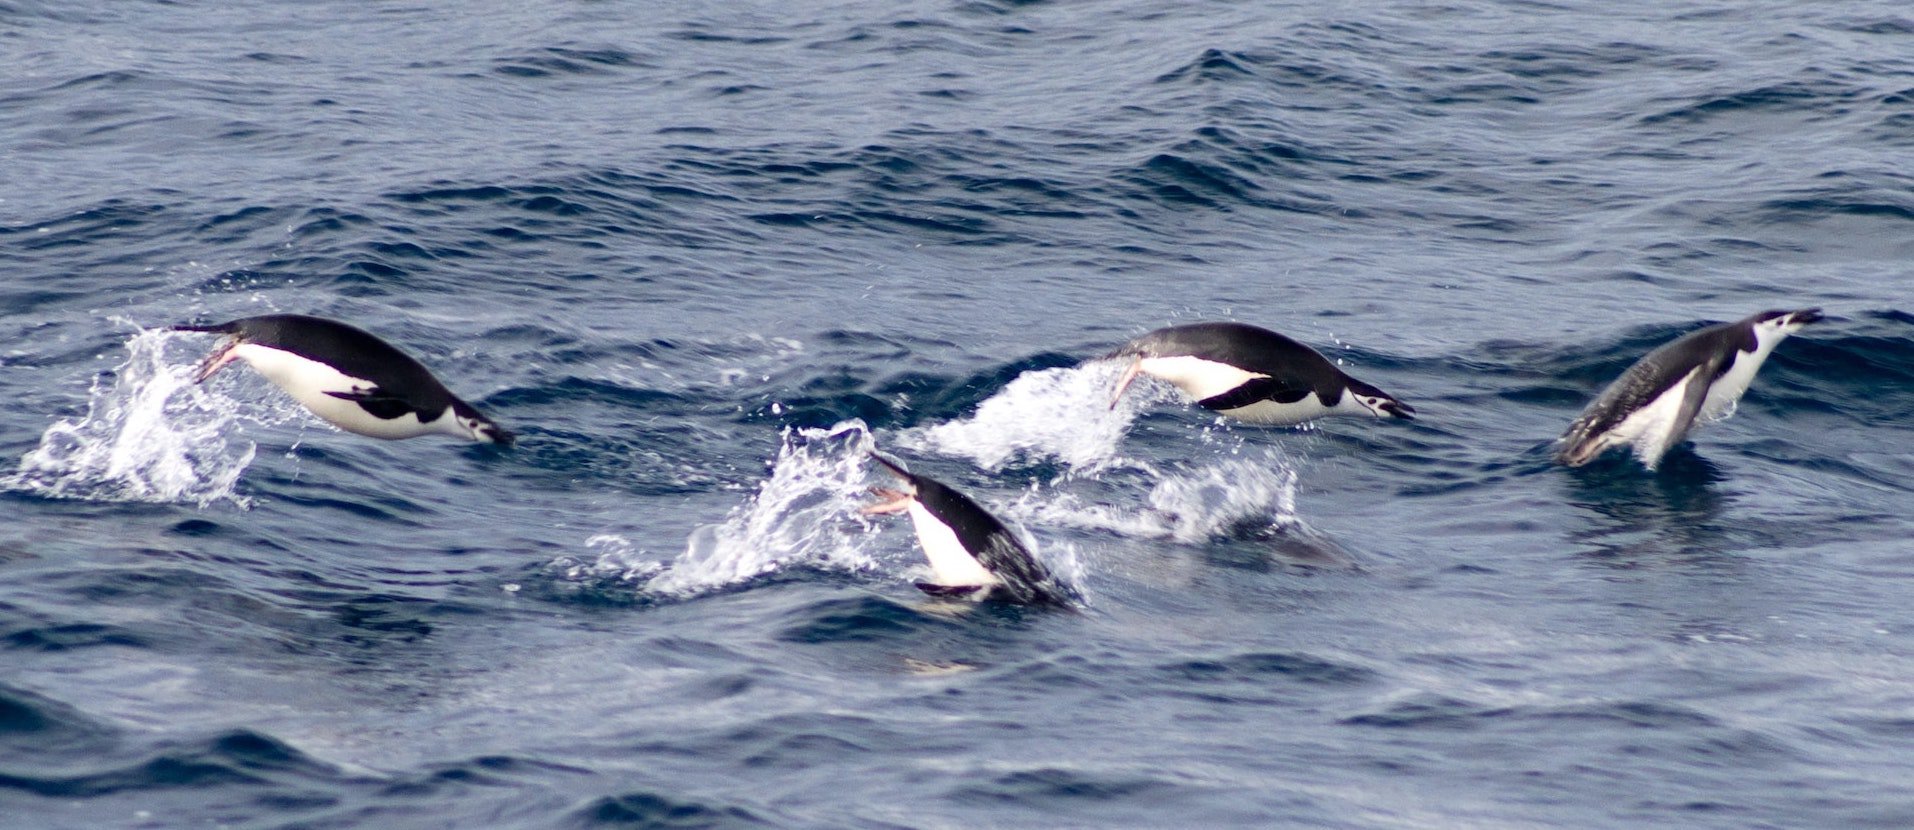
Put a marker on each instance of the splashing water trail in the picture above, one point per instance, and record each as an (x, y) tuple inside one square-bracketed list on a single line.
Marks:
[(149, 434), (807, 513), (1232, 497), (1050, 414)]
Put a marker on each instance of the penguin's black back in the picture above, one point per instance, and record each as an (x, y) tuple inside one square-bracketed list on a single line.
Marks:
[(351, 350), (1713, 347)]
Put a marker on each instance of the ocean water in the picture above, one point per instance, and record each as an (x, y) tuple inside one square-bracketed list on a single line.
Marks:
[(705, 257)]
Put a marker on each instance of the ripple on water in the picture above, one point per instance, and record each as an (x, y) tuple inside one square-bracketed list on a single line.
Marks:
[(1255, 668), (246, 761), (650, 809), (34, 725), (860, 620)]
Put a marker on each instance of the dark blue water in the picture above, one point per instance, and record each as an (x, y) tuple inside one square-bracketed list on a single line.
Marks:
[(703, 256)]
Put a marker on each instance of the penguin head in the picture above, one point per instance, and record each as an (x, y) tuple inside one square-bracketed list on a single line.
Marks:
[(1379, 403), (480, 428), (1786, 322)]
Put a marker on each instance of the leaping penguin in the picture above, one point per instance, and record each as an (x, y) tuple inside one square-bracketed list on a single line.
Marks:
[(972, 554), (1694, 379), (1251, 374), (347, 377)]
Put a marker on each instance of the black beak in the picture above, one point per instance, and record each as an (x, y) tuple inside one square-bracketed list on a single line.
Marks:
[(1400, 410), (1806, 316)]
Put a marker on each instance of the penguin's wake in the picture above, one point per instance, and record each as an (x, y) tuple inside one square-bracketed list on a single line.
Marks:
[(1058, 416), (149, 434), (805, 515)]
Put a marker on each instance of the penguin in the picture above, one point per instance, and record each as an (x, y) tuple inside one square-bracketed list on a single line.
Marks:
[(347, 377), (1251, 374), (1694, 379), (972, 554)]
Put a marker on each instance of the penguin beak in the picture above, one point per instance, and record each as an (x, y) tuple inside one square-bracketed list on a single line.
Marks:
[(1123, 383), (894, 501), (1806, 316), (1580, 455), (1400, 410), (220, 357)]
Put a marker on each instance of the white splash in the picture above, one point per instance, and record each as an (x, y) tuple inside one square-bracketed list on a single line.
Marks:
[(149, 434), (617, 558), (1049, 414), (1217, 500), (806, 513)]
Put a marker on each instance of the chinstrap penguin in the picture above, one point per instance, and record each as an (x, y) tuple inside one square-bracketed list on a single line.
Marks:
[(347, 377), (972, 554), (1251, 374), (1694, 379)]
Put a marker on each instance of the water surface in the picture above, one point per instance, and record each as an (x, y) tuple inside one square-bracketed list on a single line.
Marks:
[(703, 259)]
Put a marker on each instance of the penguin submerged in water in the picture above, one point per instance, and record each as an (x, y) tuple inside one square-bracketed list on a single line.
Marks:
[(972, 554), (347, 377), (1694, 379), (1251, 374)]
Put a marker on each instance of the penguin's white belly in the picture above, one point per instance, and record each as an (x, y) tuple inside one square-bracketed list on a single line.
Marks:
[(1198, 378), (1728, 389), (308, 381), (1653, 429), (1281, 414), (950, 563)]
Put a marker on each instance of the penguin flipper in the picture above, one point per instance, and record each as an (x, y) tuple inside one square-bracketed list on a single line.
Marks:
[(1693, 396), (1256, 390), (378, 404)]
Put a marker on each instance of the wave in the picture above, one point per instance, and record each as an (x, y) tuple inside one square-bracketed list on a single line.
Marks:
[(650, 809), (242, 758)]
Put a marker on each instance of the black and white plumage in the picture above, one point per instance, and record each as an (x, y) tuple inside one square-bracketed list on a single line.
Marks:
[(972, 554), (1251, 374), (1694, 379), (347, 377)]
